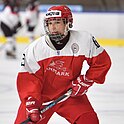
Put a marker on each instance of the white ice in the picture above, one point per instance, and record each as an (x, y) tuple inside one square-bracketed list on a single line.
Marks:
[(107, 99)]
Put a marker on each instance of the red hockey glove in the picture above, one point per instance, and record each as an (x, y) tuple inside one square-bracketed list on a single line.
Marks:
[(32, 109), (80, 85)]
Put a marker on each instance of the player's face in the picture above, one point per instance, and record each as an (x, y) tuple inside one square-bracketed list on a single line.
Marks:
[(56, 26)]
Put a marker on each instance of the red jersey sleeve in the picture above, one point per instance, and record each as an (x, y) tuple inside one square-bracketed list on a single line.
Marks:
[(29, 83), (99, 62)]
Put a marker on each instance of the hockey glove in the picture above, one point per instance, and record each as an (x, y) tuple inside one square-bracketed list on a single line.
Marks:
[(27, 21), (80, 85), (32, 109), (17, 27)]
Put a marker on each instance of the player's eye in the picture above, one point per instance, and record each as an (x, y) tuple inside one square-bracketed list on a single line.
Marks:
[(57, 22)]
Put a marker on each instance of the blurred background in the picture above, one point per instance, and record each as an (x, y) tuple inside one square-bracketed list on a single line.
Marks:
[(102, 18), (87, 5)]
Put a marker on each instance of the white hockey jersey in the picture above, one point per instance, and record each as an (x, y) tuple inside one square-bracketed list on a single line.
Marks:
[(32, 13), (46, 72), (9, 17)]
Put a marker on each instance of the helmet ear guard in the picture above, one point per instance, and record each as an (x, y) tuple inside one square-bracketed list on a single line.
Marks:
[(70, 25)]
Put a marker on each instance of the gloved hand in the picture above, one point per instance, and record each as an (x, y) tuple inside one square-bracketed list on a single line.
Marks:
[(19, 24), (81, 85), (32, 109), (17, 27), (27, 21)]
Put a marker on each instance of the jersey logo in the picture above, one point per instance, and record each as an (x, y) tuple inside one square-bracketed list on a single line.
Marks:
[(58, 68), (58, 64), (75, 48), (95, 42), (53, 13)]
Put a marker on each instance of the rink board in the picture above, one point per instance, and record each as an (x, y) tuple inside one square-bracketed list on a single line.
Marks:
[(102, 41)]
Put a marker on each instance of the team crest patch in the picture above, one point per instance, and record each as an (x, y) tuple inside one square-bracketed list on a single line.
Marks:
[(75, 48)]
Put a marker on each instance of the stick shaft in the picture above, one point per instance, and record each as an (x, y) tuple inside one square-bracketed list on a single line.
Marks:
[(50, 105)]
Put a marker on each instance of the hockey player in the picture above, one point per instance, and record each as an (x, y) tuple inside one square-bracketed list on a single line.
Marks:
[(52, 64), (32, 17), (10, 22)]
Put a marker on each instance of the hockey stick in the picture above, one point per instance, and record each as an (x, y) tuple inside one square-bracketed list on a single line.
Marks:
[(20, 29), (50, 105)]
